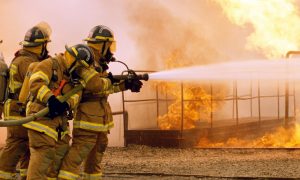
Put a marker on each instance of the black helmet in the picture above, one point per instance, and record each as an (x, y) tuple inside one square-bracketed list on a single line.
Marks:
[(100, 34), (82, 53), (35, 37)]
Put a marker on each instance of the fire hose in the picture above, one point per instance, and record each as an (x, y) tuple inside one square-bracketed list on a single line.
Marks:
[(41, 113)]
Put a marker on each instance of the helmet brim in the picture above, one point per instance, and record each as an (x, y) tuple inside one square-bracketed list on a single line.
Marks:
[(69, 50), (32, 44)]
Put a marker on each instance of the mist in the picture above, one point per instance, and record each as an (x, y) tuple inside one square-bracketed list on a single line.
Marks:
[(190, 32)]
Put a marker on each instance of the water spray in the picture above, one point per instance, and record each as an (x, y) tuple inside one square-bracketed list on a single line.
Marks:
[(261, 69), (280, 69)]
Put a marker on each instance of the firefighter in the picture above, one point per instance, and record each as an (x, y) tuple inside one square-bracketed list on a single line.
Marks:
[(50, 79), (93, 119), (34, 49)]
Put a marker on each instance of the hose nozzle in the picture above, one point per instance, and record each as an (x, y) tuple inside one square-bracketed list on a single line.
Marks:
[(144, 77)]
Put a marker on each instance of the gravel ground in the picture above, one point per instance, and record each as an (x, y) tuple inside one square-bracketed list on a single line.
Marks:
[(142, 162), (145, 163)]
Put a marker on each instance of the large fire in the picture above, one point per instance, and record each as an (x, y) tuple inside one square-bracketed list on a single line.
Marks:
[(197, 104), (275, 24), (276, 31)]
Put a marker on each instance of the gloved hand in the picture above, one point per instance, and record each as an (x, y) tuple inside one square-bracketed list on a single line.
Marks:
[(112, 79), (56, 107), (134, 85), (104, 66)]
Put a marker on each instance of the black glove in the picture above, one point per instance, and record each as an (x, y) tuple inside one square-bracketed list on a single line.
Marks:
[(56, 107), (112, 79), (133, 84), (104, 66)]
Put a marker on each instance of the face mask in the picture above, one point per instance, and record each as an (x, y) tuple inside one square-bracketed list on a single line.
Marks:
[(108, 57), (44, 53), (104, 66)]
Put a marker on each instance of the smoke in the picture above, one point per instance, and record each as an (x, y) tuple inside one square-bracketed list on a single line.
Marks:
[(166, 41), (189, 32)]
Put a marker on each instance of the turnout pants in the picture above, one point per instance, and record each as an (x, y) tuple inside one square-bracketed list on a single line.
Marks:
[(42, 148), (61, 149), (89, 146), (46, 148), (46, 155), (15, 151)]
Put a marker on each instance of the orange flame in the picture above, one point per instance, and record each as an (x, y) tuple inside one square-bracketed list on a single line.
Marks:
[(197, 105), (275, 23), (276, 31), (282, 137)]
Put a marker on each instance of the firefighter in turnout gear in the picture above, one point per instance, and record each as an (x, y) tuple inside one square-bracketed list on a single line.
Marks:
[(50, 79), (34, 49), (93, 119)]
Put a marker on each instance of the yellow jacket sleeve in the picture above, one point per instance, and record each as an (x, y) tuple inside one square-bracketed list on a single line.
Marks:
[(93, 81), (40, 80), (74, 100)]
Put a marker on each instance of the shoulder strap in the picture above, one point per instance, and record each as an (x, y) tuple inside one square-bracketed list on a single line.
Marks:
[(54, 69)]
